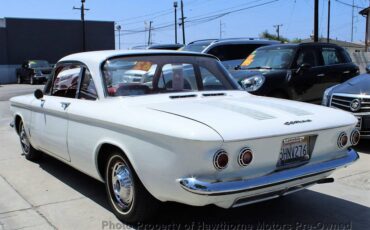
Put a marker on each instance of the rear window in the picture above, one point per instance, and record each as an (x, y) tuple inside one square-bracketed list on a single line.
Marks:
[(331, 56)]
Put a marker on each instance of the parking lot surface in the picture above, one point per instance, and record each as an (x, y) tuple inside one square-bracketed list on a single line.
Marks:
[(51, 195)]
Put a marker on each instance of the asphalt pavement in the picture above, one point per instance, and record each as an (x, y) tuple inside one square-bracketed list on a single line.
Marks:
[(51, 195)]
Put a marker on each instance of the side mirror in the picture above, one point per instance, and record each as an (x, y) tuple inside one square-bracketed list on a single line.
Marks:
[(38, 94), (303, 67)]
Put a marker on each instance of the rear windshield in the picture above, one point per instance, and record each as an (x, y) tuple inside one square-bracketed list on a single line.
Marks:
[(196, 47), (38, 64), (142, 75)]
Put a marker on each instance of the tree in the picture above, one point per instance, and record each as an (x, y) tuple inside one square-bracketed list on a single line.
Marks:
[(270, 36)]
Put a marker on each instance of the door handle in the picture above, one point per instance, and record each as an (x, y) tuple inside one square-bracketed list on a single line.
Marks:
[(321, 75), (42, 103), (347, 71), (65, 105)]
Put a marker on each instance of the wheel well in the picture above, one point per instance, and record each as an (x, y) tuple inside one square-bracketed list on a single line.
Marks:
[(17, 120), (102, 158)]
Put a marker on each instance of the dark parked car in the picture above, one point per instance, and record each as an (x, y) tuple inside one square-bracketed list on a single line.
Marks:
[(159, 47), (352, 96), (295, 71), (231, 52), (34, 71)]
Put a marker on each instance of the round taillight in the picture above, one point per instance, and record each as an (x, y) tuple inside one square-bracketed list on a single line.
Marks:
[(342, 140), (355, 137), (245, 157), (221, 159)]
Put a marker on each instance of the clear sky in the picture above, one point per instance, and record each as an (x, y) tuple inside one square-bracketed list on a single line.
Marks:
[(203, 16)]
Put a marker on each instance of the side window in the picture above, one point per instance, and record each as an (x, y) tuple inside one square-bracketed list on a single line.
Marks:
[(330, 56), (65, 82), (178, 77), (345, 55), (307, 56), (210, 81), (88, 89)]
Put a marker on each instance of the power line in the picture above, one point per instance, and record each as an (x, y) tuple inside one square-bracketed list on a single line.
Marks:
[(350, 5), (201, 20), (203, 15)]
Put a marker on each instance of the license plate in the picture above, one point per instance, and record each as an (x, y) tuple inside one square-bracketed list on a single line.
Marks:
[(359, 123), (294, 151)]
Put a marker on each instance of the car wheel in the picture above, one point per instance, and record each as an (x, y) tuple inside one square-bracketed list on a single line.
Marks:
[(19, 79), (29, 152), (127, 196)]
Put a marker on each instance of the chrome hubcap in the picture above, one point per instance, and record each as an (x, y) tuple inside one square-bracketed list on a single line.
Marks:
[(24, 140), (122, 185)]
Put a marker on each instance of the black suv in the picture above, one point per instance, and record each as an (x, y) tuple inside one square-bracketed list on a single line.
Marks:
[(295, 71), (230, 51), (34, 71)]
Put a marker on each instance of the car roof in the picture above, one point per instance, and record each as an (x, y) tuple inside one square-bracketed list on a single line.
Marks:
[(234, 41), (294, 45), (100, 56)]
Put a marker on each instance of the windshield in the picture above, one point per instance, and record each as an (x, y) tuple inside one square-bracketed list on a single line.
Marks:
[(39, 64), (196, 47), (269, 58), (142, 75)]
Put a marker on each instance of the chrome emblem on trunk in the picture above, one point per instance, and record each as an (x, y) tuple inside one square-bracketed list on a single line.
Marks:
[(297, 122)]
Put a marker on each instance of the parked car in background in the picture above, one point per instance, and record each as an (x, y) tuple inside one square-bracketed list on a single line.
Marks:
[(34, 71), (231, 52), (159, 47), (179, 137), (295, 71), (352, 96), (165, 47)]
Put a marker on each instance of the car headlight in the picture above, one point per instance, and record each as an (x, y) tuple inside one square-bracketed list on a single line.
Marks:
[(38, 72), (326, 96), (253, 83)]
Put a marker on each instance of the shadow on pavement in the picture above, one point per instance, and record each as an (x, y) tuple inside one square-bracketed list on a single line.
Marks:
[(307, 207), (363, 146)]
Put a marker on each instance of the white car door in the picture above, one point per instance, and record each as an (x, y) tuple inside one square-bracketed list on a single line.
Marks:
[(50, 116)]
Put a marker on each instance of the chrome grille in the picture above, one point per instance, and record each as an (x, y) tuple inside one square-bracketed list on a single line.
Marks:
[(344, 102)]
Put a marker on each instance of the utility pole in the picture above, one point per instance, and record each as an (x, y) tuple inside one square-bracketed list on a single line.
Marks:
[(278, 30), (183, 22), (175, 6), (118, 27), (328, 32), (82, 8), (150, 33), (221, 28), (316, 22), (353, 15)]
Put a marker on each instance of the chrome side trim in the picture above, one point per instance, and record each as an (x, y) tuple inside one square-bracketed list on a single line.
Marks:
[(216, 188)]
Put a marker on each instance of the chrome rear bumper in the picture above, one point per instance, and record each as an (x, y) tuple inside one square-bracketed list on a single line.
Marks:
[(217, 188)]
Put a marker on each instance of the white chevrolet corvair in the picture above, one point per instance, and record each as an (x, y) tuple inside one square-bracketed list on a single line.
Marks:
[(181, 130)]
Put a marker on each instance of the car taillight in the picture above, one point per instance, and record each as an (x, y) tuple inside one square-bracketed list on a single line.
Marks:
[(342, 140), (220, 159), (355, 137), (245, 157)]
